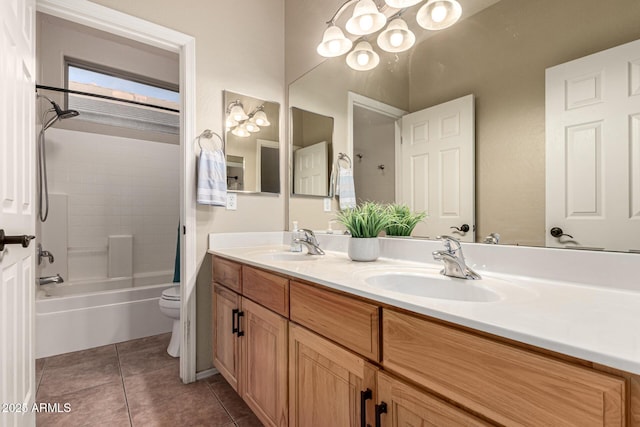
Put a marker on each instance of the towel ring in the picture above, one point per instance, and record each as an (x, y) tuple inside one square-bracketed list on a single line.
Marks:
[(208, 133), (346, 158)]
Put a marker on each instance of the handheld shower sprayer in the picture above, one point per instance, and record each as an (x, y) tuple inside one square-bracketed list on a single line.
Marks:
[(43, 186)]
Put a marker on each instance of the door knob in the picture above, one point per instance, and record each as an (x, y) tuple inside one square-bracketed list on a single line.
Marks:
[(557, 232), (463, 228), (23, 240)]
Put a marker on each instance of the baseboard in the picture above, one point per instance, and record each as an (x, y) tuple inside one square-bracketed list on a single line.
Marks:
[(205, 374)]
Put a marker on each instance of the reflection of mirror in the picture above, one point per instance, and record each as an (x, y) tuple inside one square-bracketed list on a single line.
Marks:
[(252, 144), (500, 55), (311, 137)]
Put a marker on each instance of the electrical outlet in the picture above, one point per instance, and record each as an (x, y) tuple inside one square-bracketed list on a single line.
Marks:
[(327, 204), (232, 201)]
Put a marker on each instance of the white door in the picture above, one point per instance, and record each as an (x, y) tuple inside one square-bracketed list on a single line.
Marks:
[(17, 216), (311, 170), (437, 168), (593, 150)]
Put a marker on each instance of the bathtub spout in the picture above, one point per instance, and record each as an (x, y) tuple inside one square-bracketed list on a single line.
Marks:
[(50, 279)]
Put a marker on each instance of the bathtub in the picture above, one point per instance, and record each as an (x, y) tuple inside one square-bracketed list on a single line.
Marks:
[(72, 317)]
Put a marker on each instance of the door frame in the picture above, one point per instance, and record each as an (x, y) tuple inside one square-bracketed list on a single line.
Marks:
[(118, 23), (355, 100)]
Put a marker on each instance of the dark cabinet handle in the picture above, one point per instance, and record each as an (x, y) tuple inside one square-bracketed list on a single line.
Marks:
[(364, 396), (380, 409), (463, 228), (240, 333), (557, 232), (22, 240), (234, 322)]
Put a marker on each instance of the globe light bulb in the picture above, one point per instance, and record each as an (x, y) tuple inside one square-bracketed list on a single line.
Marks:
[(334, 46), (260, 122), (363, 58), (366, 22), (396, 39), (439, 13)]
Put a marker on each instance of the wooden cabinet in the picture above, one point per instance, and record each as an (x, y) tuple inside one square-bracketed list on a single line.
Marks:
[(226, 307), (350, 322), (402, 405), (325, 382), (250, 345), (509, 385)]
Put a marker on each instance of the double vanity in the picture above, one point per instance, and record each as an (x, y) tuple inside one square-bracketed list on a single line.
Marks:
[(322, 340)]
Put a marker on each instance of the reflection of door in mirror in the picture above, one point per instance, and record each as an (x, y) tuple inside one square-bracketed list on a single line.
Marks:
[(235, 173), (593, 150), (311, 139), (310, 169), (437, 167)]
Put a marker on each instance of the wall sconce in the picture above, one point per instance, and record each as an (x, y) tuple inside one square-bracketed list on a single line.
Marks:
[(367, 18), (242, 124)]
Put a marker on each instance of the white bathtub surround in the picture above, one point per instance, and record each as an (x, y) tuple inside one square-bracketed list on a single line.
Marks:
[(120, 256), (79, 322), (114, 186), (53, 237), (583, 304)]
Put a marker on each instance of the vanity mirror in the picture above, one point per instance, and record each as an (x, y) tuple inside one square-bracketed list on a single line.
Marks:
[(252, 144), (500, 55), (311, 142)]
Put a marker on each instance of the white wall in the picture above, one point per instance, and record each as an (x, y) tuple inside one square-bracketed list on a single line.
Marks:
[(114, 186), (239, 47)]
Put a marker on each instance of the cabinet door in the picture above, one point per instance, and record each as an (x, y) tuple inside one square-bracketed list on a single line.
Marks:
[(406, 406), (226, 305), (325, 382), (264, 349)]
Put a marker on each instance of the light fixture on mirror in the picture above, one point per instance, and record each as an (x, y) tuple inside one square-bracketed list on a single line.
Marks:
[(439, 14), (396, 37), (242, 124), (367, 18), (362, 57)]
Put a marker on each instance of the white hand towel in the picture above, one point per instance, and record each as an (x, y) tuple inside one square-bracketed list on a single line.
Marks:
[(346, 190), (212, 178)]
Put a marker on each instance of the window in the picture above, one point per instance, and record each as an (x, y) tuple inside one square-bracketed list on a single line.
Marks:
[(158, 99)]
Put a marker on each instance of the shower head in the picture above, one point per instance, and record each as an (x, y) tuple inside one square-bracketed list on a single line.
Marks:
[(60, 113)]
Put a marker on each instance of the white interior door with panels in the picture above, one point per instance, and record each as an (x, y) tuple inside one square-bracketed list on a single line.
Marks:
[(17, 213), (311, 176), (436, 170), (593, 150)]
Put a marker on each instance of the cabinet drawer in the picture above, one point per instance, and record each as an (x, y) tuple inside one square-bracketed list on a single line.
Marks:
[(267, 289), (505, 383), (348, 321), (227, 273)]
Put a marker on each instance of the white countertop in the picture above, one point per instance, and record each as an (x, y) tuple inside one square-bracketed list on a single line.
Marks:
[(598, 324)]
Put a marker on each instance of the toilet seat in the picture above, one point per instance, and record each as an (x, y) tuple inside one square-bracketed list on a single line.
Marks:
[(171, 294)]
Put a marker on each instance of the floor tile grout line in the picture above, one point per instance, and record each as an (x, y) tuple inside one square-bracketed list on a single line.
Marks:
[(124, 388), (221, 403)]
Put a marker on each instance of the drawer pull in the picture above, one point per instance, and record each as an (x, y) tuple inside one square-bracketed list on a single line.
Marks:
[(364, 396), (380, 409), (235, 321), (239, 332)]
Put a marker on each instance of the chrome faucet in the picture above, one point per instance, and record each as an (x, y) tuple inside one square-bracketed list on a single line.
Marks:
[(309, 240), (492, 239), (44, 254), (453, 258), (50, 279)]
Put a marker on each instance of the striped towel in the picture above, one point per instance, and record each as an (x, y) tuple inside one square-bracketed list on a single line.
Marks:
[(346, 191), (212, 178)]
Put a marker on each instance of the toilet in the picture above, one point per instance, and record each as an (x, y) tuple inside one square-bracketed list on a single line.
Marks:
[(170, 306)]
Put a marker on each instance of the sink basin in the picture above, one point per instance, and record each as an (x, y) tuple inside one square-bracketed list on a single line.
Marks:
[(433, 286), (286, 256)]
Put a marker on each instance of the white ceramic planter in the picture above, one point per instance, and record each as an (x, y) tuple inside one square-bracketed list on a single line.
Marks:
[(364, 249)]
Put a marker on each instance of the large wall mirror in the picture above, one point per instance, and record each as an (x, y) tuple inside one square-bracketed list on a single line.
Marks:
[(252, 144), (500, 55), (311, 151)]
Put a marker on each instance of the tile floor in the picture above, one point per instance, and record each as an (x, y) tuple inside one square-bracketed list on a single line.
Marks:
[(134, 383)]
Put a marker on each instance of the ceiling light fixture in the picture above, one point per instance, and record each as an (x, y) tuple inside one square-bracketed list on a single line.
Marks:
[(367, 18), (439, 14), (242, 124)]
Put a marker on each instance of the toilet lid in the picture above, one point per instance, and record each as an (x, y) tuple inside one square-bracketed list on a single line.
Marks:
[(171, 294)]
